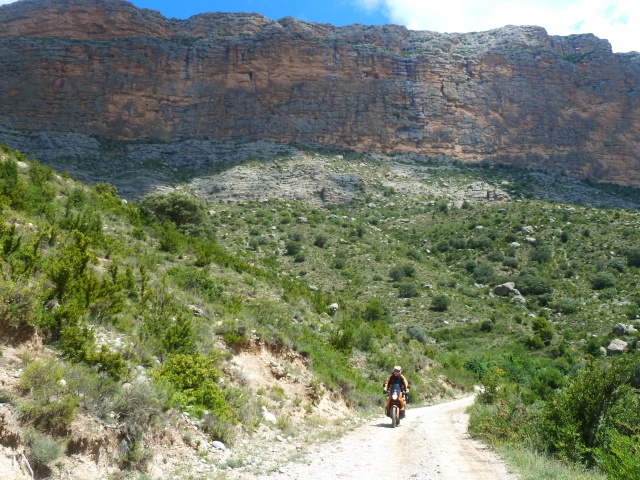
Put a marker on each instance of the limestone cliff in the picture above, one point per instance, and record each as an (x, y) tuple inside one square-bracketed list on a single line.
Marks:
[(512, 95)]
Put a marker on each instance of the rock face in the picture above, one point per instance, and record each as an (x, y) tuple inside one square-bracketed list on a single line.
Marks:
[(512, 95)]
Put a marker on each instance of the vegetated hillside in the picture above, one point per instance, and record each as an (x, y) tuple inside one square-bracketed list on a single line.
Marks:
[(147, 310), (513, 95)]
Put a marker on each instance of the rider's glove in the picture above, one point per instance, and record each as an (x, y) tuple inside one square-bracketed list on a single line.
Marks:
[(385, 391)]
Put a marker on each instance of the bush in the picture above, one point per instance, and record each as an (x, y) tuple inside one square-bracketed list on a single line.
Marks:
[(619, 459), (535, 342), (486, 326), (566, 306), (183, 210), (511, 262), (597, 405), (407, 289), (633, 257), (293, 247), (43, 450), (496, 256), (399, 272), (541, 254), (483, 273), (547, 381), (481, 243), (51, 405), (194, 378), (440, 303), (375, 311), (320, 240), (542, 328), (618, 264), (603, 280), (530, 283), (417, 333)]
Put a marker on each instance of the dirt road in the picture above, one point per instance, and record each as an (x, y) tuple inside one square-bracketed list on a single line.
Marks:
[(430, 444)]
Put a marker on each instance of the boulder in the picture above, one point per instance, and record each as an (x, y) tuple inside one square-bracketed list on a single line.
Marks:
[(620, 329), (505, 289), (268, 416), (333, 308), (218, 445), (518, 299), (616, 347)]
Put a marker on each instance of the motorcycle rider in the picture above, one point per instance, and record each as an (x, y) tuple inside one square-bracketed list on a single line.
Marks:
[(397, 378)]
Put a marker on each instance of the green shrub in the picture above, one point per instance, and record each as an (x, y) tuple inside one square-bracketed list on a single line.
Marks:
[(633, 257), (417, 333), (481, 243), (618, 264), (531, 283), (459, 243), (483, 273), (619, 459), (375, 311), (566, 306), (535, 342), (50, 406), (496, 256), (541, 254), (320, 240), (399, 272), (486, 326), (170, 239), (603, 280), (194, 378), (183, 210), (547, 381), (511, 262), (542, 328), (597, 404), (407, 289), (443, 246), (43, 450), (440, 303)]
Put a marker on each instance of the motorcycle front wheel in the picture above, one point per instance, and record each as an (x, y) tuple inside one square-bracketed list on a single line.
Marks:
[(394, 416)]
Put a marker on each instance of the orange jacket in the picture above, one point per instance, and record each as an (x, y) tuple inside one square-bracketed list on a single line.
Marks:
[(404, 384)]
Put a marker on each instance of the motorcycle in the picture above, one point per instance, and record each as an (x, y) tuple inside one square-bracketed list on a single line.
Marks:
[(396, 400)]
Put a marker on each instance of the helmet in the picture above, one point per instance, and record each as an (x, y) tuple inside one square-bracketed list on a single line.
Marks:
[(397, 368)]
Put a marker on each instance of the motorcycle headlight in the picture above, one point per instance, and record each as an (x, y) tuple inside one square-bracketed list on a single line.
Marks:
[(395, 395)]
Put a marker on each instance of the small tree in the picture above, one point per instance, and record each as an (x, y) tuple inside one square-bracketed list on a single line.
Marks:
[(440, 303)]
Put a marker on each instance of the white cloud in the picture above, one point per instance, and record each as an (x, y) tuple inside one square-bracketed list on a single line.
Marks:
[(615, 20), (4, 2)]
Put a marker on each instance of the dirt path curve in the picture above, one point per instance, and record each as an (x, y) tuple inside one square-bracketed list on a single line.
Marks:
[(430, 444)]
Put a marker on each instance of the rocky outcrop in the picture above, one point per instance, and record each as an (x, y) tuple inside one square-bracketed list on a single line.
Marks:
[(512, 95)]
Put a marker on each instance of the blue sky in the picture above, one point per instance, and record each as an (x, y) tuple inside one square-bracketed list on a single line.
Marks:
[(616, 20), (337, 12)]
